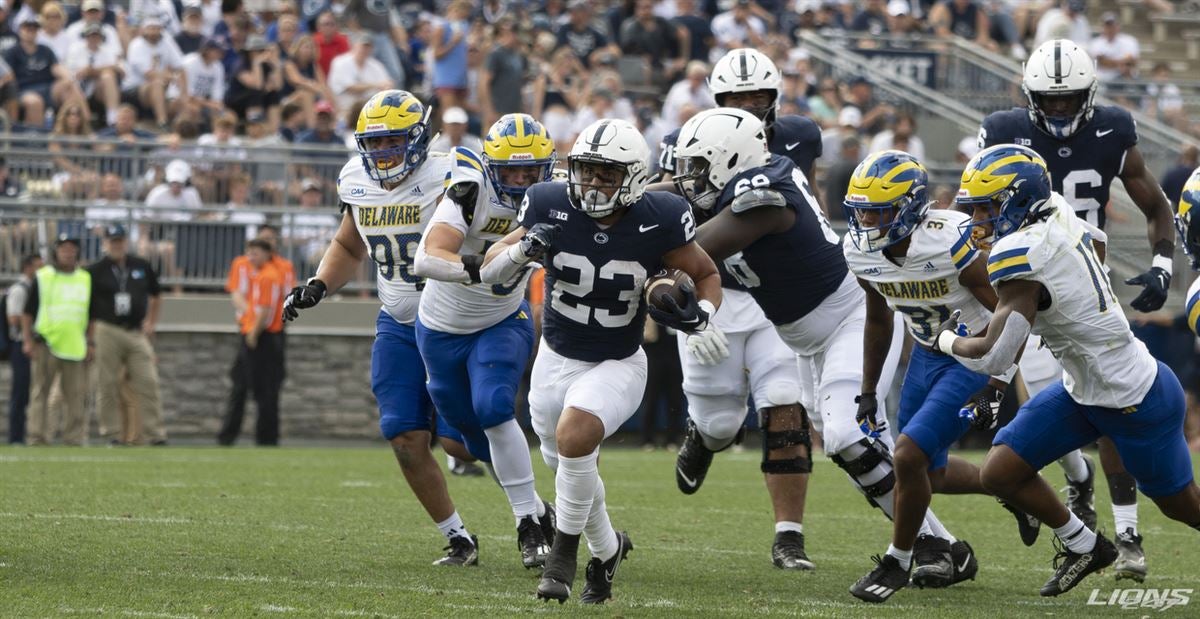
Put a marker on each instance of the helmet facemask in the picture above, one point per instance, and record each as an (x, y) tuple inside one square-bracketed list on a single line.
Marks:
[(766, 112), (875, 226), (511, 193), (388, 159), (692, 181), (1189, 234), (598, 185), (1061, 114)]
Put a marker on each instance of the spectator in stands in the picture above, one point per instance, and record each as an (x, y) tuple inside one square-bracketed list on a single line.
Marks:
[(968, 147), (287, 30), (1115, 52), (8, 93), (312, 226), (287, 15), (699, 29), (205, 96), (41, 81), (504, 68), (304, 81), (962, 18), (558, 90), (8, 37), (454, 132), (357, 74), (738, 27), (1163, 98), (237, 209), (58, 338), (330, 41), (14, 307), (191, 33), (97, 70), (861, 94), (232, 15), (93, 14), (826, 103), (75, 176), (1067, 21), (581, 37), (1175, 178), (257, 80), (173, 201), (324, 131), (848, 124), (123, 136), (660, 43), (110, 205), (374, 19), (154, 63), (292, 121), (837, 177), (872, 19), (692, 89), (901, 20), (616, 15), (901, 136), (125, 305), (53, 34), (448, 44)]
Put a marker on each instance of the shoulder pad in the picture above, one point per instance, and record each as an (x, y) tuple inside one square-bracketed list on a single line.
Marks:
[(754, 198)]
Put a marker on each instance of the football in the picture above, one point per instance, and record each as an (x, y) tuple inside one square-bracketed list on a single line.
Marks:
[(668, 282)]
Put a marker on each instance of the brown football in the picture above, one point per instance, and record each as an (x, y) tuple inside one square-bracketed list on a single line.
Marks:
[(668, 282)]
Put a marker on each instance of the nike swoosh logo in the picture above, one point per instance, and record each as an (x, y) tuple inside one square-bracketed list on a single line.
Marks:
[(647, 228), (687, 480), (1103, 133), (792, 145), (967, 561)]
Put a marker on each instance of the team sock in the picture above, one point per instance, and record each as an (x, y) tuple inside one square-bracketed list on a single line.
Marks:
[(601, 537), (1077, 537), (512, 468), (1074, 466), (903, 556), (788, 525), (936, 528), (453, 527), (575, 487), (1125, 517)]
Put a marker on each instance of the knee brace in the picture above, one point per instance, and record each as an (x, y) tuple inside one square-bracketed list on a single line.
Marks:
[(873, 456), (794, 433)]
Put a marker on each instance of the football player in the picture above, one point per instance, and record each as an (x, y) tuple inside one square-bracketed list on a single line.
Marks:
[(388, 194), (760, 364), (1189, 234), (919, 263), (599, 235), (1085, 147), (762, 209), (1051, 281), (476, 338)]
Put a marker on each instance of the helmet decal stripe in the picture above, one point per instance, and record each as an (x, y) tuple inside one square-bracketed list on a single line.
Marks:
[(595, 143), (1058, 71), (743, 71)]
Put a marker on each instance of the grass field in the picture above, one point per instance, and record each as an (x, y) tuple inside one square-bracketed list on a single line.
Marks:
[(334, 532)]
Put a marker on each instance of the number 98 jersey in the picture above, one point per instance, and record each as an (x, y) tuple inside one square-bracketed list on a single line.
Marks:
[(594, 274), (1083, 166), (390, 224)]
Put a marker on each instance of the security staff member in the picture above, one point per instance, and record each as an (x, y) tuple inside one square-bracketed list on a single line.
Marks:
[(125, 306), (57, 332)]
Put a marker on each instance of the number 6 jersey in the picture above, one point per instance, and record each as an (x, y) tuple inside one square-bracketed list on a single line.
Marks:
[(390, 224), (595, 273)]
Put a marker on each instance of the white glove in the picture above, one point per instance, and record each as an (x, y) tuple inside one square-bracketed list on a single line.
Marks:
[(709, 346)]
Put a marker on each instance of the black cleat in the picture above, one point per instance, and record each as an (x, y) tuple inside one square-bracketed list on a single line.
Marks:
[(597, 588), (1131, 561), (879, 585), (1081, 496), (462, 552), (559, 572), (1070, 567), (933, 566), (691, 465), (532, 543), (1027, 525), (963, 558), (548, 521), (788, 552)]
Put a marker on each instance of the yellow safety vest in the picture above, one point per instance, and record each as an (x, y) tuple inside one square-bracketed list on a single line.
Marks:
[(62, 313)]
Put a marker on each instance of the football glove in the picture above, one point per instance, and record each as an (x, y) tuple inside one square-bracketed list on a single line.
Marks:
[(689, 318), (538, 239), (709, 345), (303, 297), (954, 327), (983, 409), (1155, 283), (869, 420)]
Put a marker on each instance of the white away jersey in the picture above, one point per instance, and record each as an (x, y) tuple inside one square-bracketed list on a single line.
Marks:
[(391, 223), (1192, 307), (1085, 327), (460, 307), (926, 289)]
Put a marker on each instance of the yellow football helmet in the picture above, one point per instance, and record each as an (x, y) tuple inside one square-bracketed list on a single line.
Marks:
[(1186, 222), (890, 188), (388, 114), (517, 140), (1012, 182)]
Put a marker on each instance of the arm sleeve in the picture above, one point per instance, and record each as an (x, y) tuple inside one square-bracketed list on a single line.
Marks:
[(1004, 351)]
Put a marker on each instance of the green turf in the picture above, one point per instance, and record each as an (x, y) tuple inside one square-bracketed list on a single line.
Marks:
[(334, 532)]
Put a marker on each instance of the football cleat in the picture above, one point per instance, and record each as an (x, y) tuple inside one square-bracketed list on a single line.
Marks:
[(1027, 525), (1131, 561), (462, 468), (963, 558), (879, 585), (1071, 567), (599, 574), (933, 565), (532, 542), (548, 522), (559, 572), (461, 552), (691, 465), (1081, 496), (788, 552)]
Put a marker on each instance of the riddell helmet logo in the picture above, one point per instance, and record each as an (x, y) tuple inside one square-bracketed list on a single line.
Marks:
[(856, 197), (376, 127)]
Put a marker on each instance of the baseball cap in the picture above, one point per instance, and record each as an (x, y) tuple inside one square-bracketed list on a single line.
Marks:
[(895, 8), (152, 21), (850, 116), (91, 29), (178, 171), (212, 43), (114, 231), (323, 107), (67, 238), (310, 184), (1079, 6), (454, 116), (1108, 17), (30, 20), (92, 5)]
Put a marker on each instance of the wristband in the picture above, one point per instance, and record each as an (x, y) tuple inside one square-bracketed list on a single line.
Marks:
[(471, 264), (1163, 263), (945, 342), (707, 306)]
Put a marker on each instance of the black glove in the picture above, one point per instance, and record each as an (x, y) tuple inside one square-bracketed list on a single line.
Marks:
[(869, 420), (538, 239), (983, 409), (689, 318), (303, 297), (952, 325), (1155, 283)]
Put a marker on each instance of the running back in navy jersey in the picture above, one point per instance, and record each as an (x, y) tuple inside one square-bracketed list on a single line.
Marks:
[(594, 275), (789, 273), (1083, 166)]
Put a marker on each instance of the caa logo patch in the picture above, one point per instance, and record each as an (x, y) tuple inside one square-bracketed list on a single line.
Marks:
[(871, 271), (358, 192)]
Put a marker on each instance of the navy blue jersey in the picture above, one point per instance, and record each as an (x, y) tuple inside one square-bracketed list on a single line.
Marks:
[(789, 273), (594, 274), (1083, 166)]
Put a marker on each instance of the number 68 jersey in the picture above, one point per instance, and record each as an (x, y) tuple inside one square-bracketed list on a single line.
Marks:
[(390, 224), (594, 273), (925, 289)]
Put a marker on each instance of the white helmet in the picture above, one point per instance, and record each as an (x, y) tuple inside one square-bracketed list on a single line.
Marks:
[(713, 147), (609, 142), (746, 70), (1060, 84)]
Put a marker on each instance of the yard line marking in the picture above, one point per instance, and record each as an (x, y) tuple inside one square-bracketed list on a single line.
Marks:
[(123, 611)]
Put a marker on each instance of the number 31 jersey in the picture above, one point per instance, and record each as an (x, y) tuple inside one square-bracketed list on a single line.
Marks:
[(390, 224), (1083, 166), (925, 289), (594, 274)]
